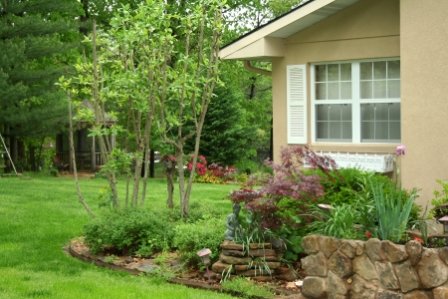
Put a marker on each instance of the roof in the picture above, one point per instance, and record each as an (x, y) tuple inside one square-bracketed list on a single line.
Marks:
[(266, 41)]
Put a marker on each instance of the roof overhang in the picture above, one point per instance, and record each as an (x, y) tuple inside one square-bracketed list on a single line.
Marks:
[(267, 41)]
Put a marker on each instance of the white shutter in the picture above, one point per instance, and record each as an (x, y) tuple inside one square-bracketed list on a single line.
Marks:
[(296, 101)]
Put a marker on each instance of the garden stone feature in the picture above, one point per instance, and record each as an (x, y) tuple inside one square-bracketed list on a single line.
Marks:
[(314, 287), (310, 244), (432, 271), (387, 276), (407, 276), (315, 265), (340, 264), (440, 293), (417, 295), (414, 250), (364, 267), (373, 249), (328, 245), (233, 224), (380, 269), (389, 295), (393, 252)]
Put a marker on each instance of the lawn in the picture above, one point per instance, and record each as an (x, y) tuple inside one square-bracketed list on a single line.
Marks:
[(39, 215)]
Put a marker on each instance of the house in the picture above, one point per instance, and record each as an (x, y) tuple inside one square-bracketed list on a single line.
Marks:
[(356, 78)]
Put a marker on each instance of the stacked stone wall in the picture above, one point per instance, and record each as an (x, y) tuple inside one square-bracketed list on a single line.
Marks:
[(260, 262), (373, 269)]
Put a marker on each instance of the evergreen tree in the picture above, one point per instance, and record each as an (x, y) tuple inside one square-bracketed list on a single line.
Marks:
[(37, 40)]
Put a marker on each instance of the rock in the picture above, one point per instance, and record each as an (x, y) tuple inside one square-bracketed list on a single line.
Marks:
[(387, 276), (315, 265), (394, 253), (340, 264), (440, 293), (328, 245), (262, 278), (384, 294), (219, 267), (310, 244), (236, 253), (234, 260), (364, 267), (360, 247), (361, 289), (417, 295), (148, 268), (443, 254), (230, 245), (336, 296), (373, 249), (262, 252), (241, 268), (260, 246), (254, 272), (271, 265), (285, 273), (348, 248), (414, 250), (314, 287), (407, 276), (336, 286), (429, 270)]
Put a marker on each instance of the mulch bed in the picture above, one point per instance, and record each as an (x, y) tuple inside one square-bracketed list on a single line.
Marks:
[(192, 278)]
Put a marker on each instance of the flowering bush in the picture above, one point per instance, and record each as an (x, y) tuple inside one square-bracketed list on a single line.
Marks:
[(201, 165)]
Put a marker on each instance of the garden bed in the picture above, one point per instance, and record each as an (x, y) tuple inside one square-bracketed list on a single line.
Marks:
[(191, 278)]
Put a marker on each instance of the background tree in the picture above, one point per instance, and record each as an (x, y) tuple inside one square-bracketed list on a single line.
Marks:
[(37, 40)]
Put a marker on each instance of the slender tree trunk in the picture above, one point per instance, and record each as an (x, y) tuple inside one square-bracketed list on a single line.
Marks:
[(73, 162)]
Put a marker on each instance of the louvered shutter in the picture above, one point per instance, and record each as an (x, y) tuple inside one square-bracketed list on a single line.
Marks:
[(296, 101)]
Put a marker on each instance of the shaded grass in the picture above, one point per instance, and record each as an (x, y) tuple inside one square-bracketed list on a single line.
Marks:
[(39, 215)]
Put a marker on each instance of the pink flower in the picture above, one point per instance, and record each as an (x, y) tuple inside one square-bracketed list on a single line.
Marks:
[(400, 150)]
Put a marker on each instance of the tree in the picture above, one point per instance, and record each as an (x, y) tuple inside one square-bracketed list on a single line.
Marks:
[(37, 39)]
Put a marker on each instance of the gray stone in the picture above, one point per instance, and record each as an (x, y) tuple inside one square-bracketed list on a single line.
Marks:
[(394, 253), (315, 265), (387, 276), (417, 295), (262, 252), (414, 250), (384, 294), (364, 267), (348, 248), (440, 293), (254, 272), (430, 271), (373, 249), (310, 244), (314, 287), (340, 264), (328, 245), (336, 286), (407, 276)]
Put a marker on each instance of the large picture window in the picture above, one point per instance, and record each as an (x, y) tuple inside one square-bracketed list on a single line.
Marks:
[(356, 101)]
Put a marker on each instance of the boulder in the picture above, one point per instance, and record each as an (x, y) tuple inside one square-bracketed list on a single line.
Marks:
[(417, 295), (364, 267), (328, 245), (373, 249), (407, 276), (315, 265), (385, 294), (340, 264), (414, 250), (387, 276), (310, 244), (314, 287), (394, 253), (440, 293), (430, 271), (233, 260)]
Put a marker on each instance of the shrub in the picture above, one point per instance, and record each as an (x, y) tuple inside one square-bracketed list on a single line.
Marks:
[(129, 231), (440, 201), (189, 238)]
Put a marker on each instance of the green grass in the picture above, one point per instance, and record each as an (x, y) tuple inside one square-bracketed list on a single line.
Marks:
[(39, 215)]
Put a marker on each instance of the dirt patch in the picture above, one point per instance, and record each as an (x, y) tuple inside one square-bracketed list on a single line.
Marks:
[(191, 278)]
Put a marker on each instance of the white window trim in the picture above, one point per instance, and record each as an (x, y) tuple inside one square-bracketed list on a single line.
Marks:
[(355, 102)]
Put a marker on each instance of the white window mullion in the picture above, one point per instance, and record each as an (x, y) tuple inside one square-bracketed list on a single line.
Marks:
[(356, 105)]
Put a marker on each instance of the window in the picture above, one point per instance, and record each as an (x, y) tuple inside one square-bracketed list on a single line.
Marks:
[(356, 101)]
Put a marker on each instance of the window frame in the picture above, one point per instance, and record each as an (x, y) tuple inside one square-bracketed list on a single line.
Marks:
[(355, 102)]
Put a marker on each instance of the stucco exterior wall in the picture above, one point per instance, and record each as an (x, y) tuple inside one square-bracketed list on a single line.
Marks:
[(365, 30), (424, 93)]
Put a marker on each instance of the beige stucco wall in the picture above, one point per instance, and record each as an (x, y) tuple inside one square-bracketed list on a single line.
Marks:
[(424, 90), (367, 29)]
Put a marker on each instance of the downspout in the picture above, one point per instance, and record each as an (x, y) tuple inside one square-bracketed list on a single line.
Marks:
[(248, 66)]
